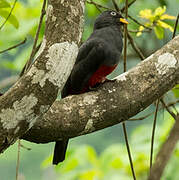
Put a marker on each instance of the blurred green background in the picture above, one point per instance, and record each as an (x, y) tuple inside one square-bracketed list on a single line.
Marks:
[(100, 155)]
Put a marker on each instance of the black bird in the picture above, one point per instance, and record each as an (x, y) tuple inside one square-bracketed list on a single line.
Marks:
[(97, 58)]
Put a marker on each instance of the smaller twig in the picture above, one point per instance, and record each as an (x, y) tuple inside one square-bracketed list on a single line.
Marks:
[(29, 62), (135, 47), (146, 116), (115, 5), (140, 118), (21, 145), (98, 6), (123, 9), (8, 15), (26, 67), (98, 9), (125, 37), (172, 103), (175, 109), (18, 159), (13, 47), (175, 28), (165, 152), (125, 69), (137, 22), (11, 80), (125, 49), (168, 109), (153, 133), (136, 31), (128, 150), (22, 71)]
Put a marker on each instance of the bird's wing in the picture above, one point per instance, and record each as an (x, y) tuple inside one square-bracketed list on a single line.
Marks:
[(84, 50), (86, 66), (66, 88)]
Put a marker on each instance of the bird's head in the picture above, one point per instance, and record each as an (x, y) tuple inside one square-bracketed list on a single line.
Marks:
[(109, 18)]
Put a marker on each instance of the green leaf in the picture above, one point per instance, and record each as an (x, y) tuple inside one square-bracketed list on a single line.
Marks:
[(69, 166), (176, 91), (90, 174), (164, 25), (146, 13), (91, 10), (116, 163), (47, 162), (7, 64), (4, 4), (12, 19), (166, 16), (92, 155), (141, 28), (159, 32), (159, 11)]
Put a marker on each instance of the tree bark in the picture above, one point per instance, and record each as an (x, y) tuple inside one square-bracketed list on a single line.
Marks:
[(35, 92), (114, 102), (165, 152)]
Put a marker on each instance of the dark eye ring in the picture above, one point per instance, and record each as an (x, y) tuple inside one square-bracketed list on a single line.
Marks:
[(113, 13)]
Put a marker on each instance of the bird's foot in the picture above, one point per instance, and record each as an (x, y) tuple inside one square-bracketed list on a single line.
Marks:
[(98, 85), (110, 80)]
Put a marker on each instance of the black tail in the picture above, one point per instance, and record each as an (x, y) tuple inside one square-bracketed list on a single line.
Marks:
[(60, 151), (1, 94), (61, 146)]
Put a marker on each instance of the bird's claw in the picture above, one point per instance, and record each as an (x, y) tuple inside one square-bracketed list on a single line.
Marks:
[(97, 86), (110, 80)]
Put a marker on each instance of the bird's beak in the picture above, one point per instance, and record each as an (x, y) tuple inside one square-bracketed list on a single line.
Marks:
[(123, 21)]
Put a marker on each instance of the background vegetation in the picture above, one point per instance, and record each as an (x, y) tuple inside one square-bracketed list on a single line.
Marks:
[(101, 155)]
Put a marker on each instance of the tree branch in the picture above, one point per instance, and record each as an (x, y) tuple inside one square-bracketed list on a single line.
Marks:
[(34, 93), (165, 152), (13, 6), (13, 47), (113, 102)]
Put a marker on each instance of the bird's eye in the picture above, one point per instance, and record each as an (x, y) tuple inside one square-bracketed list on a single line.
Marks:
[(113, 13)]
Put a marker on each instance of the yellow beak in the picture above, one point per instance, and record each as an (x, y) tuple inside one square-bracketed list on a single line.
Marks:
[(123, 21)]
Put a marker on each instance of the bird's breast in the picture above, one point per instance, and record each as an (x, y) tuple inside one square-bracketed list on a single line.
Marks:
[(100, 75)]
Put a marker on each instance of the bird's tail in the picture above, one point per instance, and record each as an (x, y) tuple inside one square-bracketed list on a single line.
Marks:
[(60, 151)]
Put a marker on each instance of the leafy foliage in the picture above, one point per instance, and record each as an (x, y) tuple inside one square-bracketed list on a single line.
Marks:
[(83, 163), (176, 91), (155, 20), (28, 18), (5, 8), (4, 4)]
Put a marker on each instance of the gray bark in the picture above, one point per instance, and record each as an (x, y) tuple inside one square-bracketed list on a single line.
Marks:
[(115, 102), (35, 92)]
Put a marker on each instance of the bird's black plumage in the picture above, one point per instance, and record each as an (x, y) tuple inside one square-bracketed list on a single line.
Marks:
[(97, 58)]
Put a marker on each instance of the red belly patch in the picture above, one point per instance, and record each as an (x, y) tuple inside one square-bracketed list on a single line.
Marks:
[(100, 75)]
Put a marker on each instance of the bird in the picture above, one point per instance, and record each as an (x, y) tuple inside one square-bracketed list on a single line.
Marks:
[(98, 56)]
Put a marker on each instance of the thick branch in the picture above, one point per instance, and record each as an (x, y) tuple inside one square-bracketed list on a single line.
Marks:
[(35, 92), (114, 102), (165, 152)]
